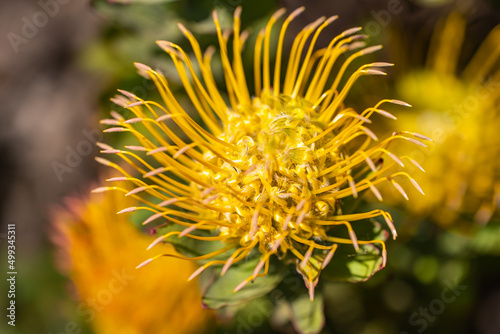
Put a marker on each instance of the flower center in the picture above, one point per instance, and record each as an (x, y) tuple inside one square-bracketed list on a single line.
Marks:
[(279, 172)]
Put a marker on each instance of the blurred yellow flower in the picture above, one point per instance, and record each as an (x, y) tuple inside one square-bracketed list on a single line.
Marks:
[(461, 113), (268, 173), (100, 251)]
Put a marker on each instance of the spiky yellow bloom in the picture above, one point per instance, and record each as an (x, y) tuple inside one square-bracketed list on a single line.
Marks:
[(100, 250), (461, 113), (268, 173)]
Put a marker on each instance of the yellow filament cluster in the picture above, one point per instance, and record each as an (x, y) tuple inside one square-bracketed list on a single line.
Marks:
[(268, 172)]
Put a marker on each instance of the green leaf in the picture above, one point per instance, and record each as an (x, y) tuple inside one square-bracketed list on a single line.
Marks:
[(350, 266), (194, 247), (347, 265), (307, 316), (220, 292)]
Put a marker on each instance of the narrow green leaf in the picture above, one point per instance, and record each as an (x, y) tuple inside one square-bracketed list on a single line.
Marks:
[(350, 266), (347, 265), (220, 292), (193, 247)]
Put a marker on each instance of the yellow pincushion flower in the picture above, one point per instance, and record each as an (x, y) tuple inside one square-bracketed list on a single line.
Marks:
[(461, 113), (267, 174), (100, 250)]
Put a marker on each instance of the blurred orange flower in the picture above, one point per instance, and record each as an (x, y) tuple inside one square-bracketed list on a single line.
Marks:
[(100, 250)]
